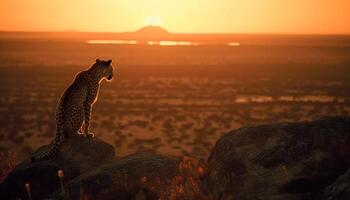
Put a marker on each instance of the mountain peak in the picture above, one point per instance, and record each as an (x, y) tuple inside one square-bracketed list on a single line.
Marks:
[(152, 30)]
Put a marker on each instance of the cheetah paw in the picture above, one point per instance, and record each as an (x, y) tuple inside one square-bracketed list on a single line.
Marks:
[(79, 135), (89, 135)]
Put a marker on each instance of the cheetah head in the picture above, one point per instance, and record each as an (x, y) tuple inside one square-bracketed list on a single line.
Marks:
[(105, 68)]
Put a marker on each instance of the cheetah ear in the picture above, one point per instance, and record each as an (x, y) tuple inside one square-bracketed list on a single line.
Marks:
[(109, 62), (97, 60)]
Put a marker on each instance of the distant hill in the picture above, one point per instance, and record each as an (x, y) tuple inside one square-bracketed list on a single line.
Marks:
[(152, 30)]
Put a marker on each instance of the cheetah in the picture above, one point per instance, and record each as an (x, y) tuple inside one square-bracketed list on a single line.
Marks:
[(74, 107)]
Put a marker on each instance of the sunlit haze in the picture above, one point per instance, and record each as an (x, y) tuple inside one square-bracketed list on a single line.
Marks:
[(182, 16), (153, 21)]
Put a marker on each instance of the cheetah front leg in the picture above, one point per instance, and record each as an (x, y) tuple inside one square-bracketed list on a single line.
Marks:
[(87, 115)]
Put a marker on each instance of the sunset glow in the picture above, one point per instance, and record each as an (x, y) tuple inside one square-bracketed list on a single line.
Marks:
[(182, 16), (153, 21), (111, 42)]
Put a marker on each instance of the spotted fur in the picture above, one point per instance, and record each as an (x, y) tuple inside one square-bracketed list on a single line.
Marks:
[(74, 108)]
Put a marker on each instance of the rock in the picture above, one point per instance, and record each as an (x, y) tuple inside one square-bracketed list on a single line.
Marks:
[(280, 161), (137, 176), (92, 171), (340, 189), (76, 156), (308, 160)]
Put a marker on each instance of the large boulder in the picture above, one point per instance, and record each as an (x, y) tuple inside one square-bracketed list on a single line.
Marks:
[(280, 161), (138, 176), (340, 189), (75, 157), (91, 171)]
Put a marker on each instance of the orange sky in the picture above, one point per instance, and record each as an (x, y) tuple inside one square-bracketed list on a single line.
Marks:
[(183, 16)]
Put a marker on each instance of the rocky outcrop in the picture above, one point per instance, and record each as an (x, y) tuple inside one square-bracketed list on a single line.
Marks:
[(280, 161), (340, 189), (138, 176), (307, 160), (76, 156), (91, 171)]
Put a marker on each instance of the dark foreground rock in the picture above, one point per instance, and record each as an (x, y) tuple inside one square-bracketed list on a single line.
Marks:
[(91, 171), (76, 156), (308, 160), (138, 176), (281, 161), (340, 189)]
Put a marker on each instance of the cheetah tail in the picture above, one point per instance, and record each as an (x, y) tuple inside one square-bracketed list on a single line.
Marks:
[(51, 152)]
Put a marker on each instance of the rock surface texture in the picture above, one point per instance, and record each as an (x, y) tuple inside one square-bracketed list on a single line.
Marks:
[(280, 161), (76, 156), (306, 160), (138, 176)]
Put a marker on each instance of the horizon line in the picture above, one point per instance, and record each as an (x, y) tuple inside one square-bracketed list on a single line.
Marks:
[(174, 33)]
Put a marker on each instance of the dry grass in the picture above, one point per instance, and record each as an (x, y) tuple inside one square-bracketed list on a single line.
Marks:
[(8, 161)]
